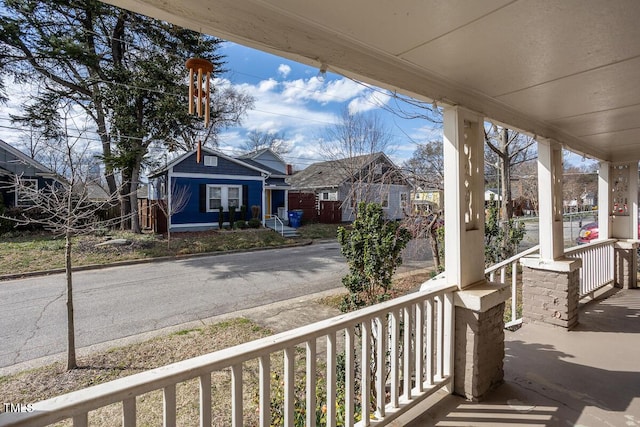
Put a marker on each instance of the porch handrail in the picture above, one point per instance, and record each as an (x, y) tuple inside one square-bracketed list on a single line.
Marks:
[(277, 219), (597, 264), (426, 318), (502, 267)]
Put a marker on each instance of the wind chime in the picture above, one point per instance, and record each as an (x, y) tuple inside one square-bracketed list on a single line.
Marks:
[(199, 91)]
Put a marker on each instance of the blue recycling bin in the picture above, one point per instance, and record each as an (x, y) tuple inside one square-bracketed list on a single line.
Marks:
[(295, 218)]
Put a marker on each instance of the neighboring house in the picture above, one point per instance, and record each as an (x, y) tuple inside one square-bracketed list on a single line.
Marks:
[(426, 200), (345, 182), (14, 162), (218, 180)]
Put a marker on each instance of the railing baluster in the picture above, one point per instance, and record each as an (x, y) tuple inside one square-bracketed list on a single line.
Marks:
[(311, 382), (129, 412), (439, 337), (381, 374), (514, 291), (407, 352), (331, 379), (429, 341), (169, 405), (236, 396), (503, 272), (394, 327), (365, 366), (349, 380), (289, 381), (447, 330), (81, 420), (205, 400), (265, 391), (419, 357)]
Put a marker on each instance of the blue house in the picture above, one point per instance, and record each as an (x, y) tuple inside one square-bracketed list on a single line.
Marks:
[(14, 163), (218, 181)]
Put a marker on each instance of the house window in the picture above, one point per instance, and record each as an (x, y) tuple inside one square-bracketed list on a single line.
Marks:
[(210, 161), (233, 197), (404, 200), (215, 197), (384, 201), (223, 195), (26, 192), (329, 195)]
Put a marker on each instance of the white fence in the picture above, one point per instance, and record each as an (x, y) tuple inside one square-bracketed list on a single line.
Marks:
[(597, 264), (408, 339)]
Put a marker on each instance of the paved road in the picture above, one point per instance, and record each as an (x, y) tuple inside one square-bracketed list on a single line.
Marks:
[(117, 302), (121, 301)]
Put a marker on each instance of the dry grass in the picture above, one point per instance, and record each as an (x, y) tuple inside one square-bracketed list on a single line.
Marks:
[(53, 380), (29, 252)]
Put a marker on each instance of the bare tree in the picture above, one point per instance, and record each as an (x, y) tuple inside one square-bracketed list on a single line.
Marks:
[(64, 207), (175, 203), (356, 146), (257, 140), (426, 165), (509, 149)]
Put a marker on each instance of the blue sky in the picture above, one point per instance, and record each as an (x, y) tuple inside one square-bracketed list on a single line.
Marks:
[(290, 98)]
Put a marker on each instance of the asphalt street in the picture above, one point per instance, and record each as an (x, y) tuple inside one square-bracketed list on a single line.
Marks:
[(117, 302)]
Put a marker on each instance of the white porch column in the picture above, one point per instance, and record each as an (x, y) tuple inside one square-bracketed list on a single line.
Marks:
[(479, 313), (551, 282), (550, 200), (623, 211), (604, 201), (464, 196), (623, 207)]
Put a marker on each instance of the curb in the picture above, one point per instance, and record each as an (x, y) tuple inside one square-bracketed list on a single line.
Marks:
[(15, 276)]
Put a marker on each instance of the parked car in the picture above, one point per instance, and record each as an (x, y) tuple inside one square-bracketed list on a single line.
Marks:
[(589, 232)]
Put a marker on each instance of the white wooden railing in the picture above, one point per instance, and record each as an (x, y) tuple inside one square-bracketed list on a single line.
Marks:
[(409, 339), (597, 264), (516, 280)]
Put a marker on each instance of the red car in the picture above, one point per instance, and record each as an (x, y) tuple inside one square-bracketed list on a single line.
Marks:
[(589, 232)]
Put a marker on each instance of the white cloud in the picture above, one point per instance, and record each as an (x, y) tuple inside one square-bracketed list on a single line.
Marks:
[(371, 100), (284, 70), (313, 89)]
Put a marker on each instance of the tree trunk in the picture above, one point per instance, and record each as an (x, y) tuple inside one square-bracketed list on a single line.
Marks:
[(133, 197), (71, 335), (505, 172)]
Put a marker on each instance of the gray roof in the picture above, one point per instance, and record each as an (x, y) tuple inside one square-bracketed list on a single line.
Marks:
[(332, 173)]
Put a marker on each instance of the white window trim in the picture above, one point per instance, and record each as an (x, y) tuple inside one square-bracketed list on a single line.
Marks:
[(22, 182), (406, 201), (224, 195)]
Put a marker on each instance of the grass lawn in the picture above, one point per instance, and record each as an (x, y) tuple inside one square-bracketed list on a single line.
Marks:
[(28, 252)]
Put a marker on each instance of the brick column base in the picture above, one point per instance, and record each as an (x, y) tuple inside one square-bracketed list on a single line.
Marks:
[(550, 292), (626, 264), (479, 336), (479, 352)]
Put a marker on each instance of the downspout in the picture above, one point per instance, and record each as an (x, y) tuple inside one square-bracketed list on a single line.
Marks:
[(169, 187), (264, 199)]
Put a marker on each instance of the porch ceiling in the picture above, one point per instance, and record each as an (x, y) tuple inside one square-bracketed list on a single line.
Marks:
[(568, 70)]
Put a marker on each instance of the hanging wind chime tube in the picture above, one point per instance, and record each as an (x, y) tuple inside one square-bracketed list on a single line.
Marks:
[(199, 95)]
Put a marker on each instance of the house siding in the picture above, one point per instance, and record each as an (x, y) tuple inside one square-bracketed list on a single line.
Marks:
[(394, 210), (203, 220), (224, 167)]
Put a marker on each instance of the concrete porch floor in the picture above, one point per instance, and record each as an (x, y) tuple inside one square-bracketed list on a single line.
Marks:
[(589, 376)]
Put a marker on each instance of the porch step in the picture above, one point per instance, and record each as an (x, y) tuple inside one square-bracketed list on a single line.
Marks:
[(277, 227)]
